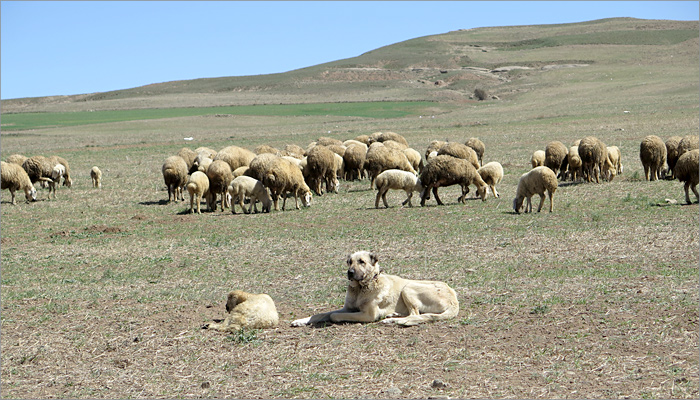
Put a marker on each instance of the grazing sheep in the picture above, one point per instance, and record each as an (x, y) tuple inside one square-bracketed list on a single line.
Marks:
[(574, 163), (188, 155), (445, 170), (14, 178), (16, 159), (385, 136), (433, 146), (536, 181), (492, 173), (175, 176), (240, 171), (672, 153), (56, 174), (460, 150), (245, 186), (203, 164), (339, 169), (280, 176), (235, 156), (96, 176), (393, 144), (348, 142), (363, 139), (198, 187), (54, 160), (326, 141), (39, 168), (321, 167), (205, 152), (652, 153), (413, 157), (337, 149), (593, 155), (537, 159), (687, 171), (354, 159), (555, 156), (478, 147), (220, 176), (247, 310), (690, 142), (432, 155), (264, 148), (612, 166), (399, 180), (379, 158), (293, 150)]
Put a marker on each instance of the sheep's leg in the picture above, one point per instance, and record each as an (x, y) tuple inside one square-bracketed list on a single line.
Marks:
[(687, 192), (528, 207), (376, 200), (695, 190), (437, 198), (409, 194), (191, 203), (495, 193), (199, 204), (551, 201), (12, 192)]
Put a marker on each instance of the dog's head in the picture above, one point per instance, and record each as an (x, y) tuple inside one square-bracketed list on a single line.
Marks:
[(363, 267)]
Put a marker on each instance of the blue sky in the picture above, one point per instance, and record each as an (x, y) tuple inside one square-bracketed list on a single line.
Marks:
[(63, 48)]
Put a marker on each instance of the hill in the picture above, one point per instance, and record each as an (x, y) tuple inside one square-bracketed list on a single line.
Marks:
[(504, 61)]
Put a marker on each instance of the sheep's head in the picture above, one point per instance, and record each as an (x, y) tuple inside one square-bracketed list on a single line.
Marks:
[(30, 193), (483, 192), (306, 198), (518, 204), (334, 185), (68, 182)]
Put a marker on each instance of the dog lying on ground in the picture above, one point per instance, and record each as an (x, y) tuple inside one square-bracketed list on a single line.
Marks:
[(373, 296), (247, 310)]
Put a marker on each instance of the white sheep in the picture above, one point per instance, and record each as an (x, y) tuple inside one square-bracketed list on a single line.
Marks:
[(280, 176), (686, 171), (399, 180), (414, 158), (575, 163), (96, 176), (245, 186), (198, 187), (56, 173), (220, 176), (537, 181), (175, 177), (14, 177), (537, 158), (491, 173)]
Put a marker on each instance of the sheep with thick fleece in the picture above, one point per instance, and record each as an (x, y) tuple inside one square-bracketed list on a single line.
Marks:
[(321, 167), (188, 155), (198, 187), (575, 163), (348, 142), (555, 156), (379, 158), (38, 168), (220, 176), (688, 143), (478, 147), (362, 139), (175, 176), (593, 155), (537, 181), (537, 159), (205, 152), (326, 141), (399, 180), (16, 159), (339, 169), (240, 171), (687, 171), (96, 176), (293, 150), (413, 157), (266, 148), (445, 170), (433, 146), (245, 186), (280, 176), (492, 173), (460, 150), (672, 153), (354, 159), (203, 164), (384, 136), (652, 153), (235, 156), (14, 178), (393, 144), (613, 165)]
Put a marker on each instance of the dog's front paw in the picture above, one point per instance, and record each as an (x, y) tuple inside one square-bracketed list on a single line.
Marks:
[(301, 322)]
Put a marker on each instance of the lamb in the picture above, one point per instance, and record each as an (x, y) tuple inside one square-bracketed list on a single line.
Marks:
[(16, 159), (188, 155), (593, 155), (612, 166), (220, 176), (652, 152), (205, 152), (339, 164), (245, 186), (56, 174), (203, 164), (198, 187), (574, 163), (555, 156), (321, 167), (280, 176), (175, 176), (478, 147), (672, 153), (379, 158), (536, 181), (460, 150), (247, 310), (54, 160), (537, 159), (445, 170), (235, 156), (413, 157), (399, 180), (687, 171), (354, 159), (14, 178), (492, 173), (96, 176)]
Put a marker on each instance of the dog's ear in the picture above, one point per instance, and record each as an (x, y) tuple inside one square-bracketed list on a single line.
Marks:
[(373, 258), (348, 260)]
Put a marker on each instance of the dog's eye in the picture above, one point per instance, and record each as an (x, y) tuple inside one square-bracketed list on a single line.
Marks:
[(362, 261)]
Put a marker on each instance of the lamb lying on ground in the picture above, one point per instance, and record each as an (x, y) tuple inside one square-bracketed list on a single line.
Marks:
[(399, 180)]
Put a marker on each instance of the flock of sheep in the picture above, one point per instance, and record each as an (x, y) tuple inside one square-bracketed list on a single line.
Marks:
[(234, 175)]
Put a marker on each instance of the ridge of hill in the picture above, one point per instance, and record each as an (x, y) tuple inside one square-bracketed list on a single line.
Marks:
[(503, 61)]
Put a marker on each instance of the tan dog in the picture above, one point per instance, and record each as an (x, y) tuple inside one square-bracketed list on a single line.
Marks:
[(247, 310), (374, 296)]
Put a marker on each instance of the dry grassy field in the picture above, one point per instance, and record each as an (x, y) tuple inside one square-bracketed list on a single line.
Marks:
[(104, 292)]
